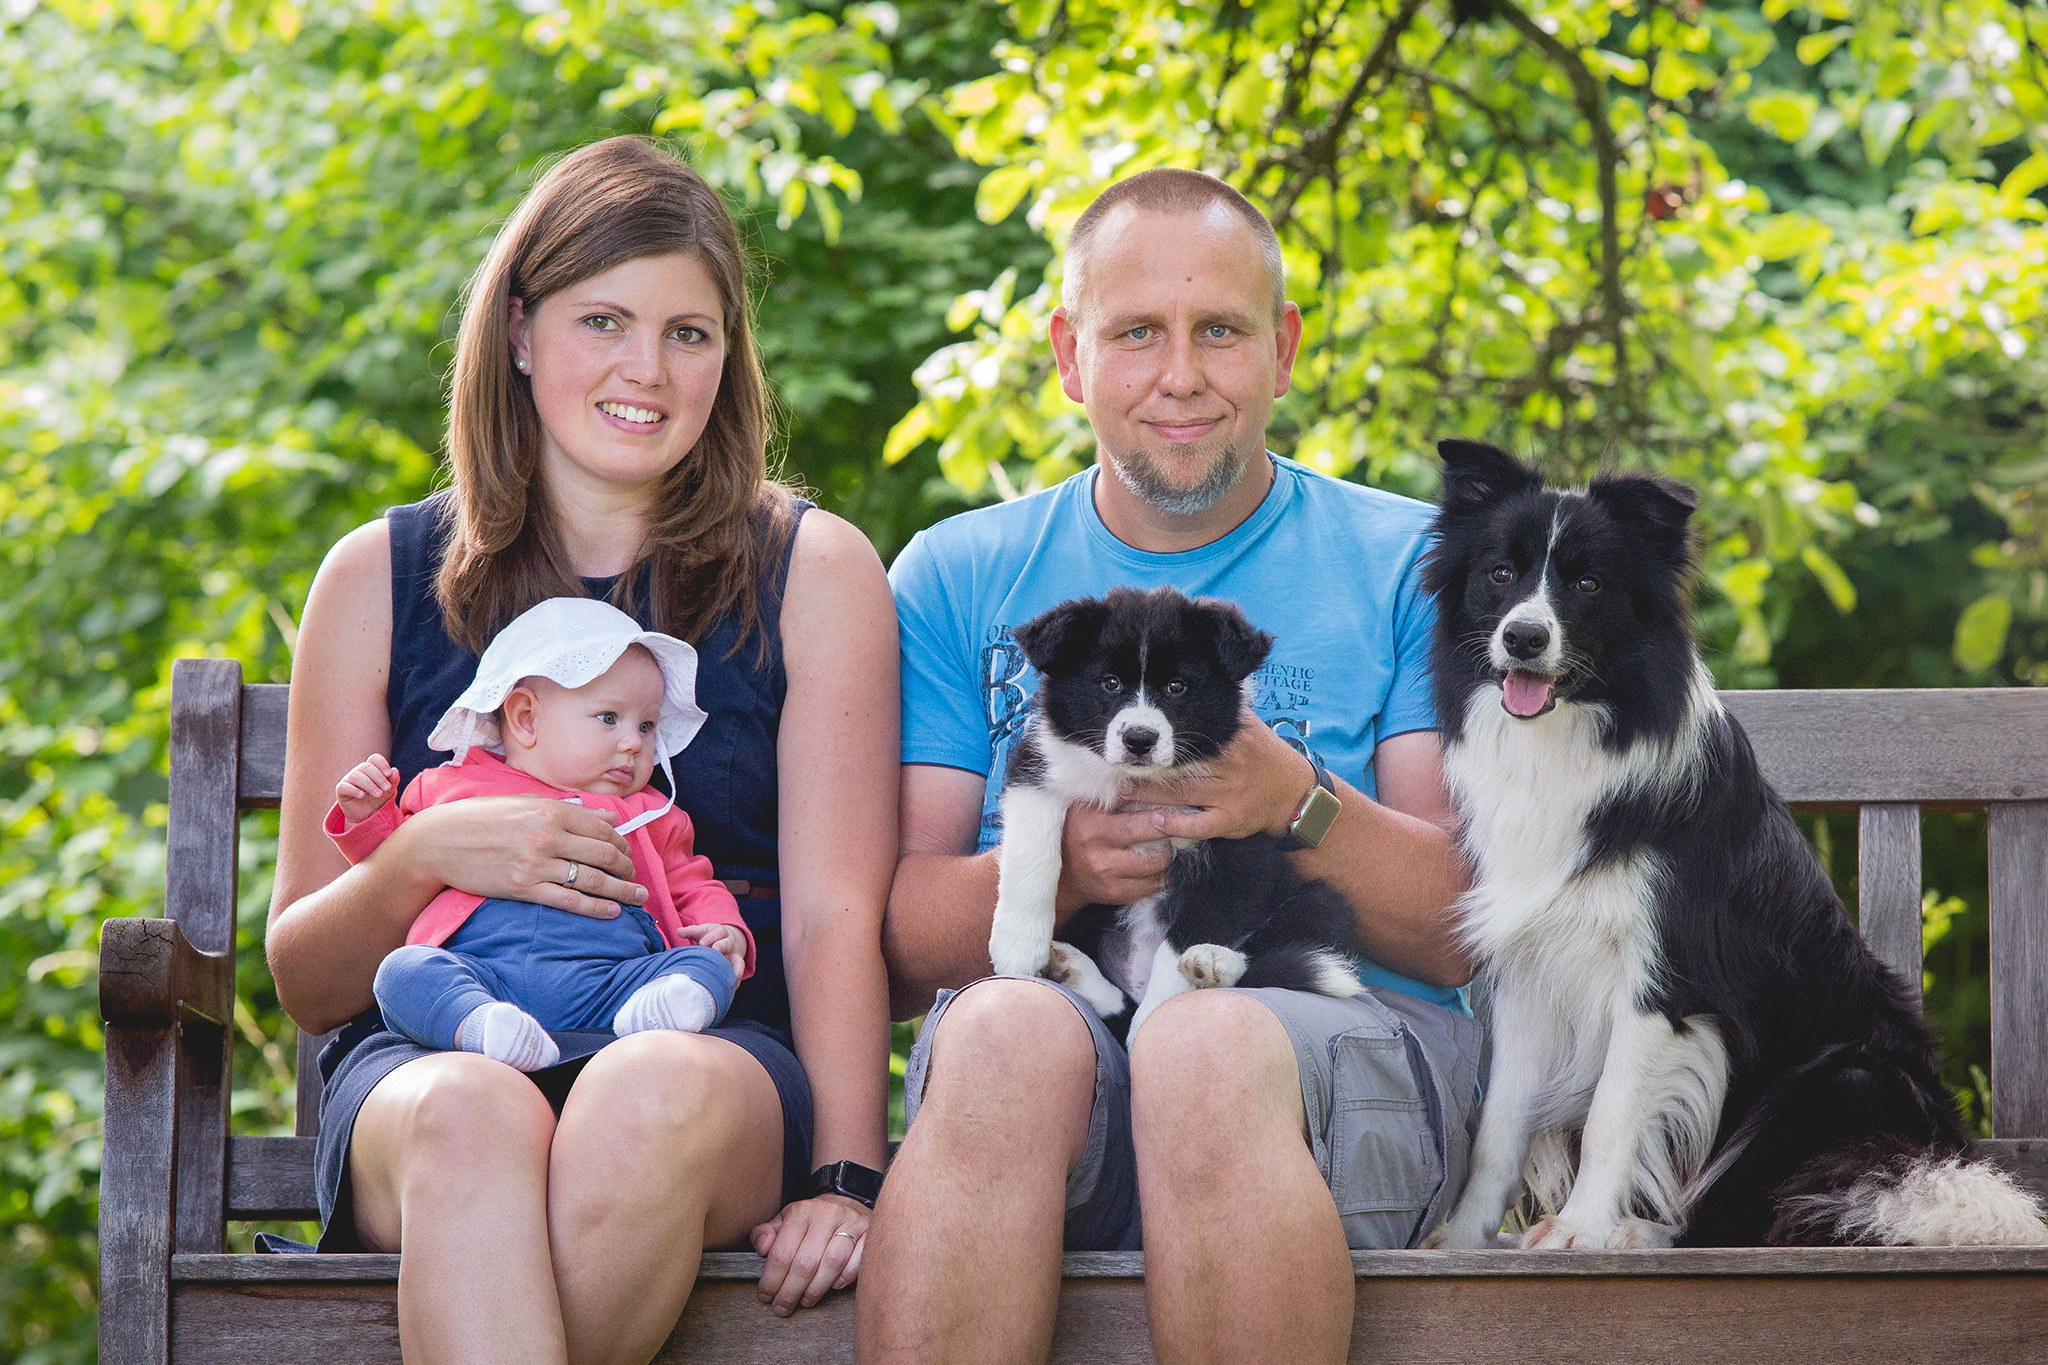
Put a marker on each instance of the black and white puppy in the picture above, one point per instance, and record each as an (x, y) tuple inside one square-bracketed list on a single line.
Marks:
[(1151, 685), (1691, 1041)]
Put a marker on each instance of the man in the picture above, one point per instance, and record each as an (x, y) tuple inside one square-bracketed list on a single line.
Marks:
[(1237, 1113)]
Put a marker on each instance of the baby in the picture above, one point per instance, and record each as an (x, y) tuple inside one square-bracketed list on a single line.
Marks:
[(572, 700)]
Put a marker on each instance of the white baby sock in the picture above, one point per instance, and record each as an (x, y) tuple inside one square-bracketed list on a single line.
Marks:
[(508, 1034), (671, 1002)]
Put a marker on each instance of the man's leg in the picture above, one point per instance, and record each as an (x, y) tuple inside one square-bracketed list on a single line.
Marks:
[(962, 1260), (1244, 1253)]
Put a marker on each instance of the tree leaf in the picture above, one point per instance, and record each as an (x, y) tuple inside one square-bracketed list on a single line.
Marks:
[(1981, 632)]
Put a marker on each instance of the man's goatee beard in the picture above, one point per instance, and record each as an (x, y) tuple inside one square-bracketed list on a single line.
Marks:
[(1139, 472)]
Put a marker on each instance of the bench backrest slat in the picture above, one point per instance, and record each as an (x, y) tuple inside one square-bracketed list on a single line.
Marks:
[(2019, 969), (1888, 880), (1963, 746)]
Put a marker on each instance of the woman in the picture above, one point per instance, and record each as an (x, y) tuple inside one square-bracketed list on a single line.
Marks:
[(607, 435)]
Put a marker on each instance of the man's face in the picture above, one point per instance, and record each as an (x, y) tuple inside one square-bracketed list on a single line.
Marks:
[(1175, 350)]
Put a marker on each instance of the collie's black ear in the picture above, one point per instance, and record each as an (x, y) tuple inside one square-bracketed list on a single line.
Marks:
[(1240, 646), (1658, 507), (1477, 475), (1061, 636)]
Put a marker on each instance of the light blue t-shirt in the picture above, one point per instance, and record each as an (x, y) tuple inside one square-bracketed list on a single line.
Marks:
[(1328, 567)]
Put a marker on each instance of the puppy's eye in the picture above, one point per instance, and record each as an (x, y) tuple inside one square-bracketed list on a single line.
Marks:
[(1112, 683), (1175, 688), (1588, 584), (1502, 574)]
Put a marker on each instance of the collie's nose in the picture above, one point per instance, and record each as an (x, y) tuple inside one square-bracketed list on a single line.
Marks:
[(1525, 639), (1139, 739)]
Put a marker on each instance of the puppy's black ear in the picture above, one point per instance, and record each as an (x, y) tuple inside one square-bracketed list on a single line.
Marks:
[(1240, 646), (1657, 507), (1060, 637), (1477, 475)]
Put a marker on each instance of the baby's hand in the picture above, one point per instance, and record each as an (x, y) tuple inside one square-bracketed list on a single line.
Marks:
[(725, 938), (366, 788)]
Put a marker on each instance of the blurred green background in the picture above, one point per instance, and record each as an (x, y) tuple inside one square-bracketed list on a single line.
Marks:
[(1791, 252)]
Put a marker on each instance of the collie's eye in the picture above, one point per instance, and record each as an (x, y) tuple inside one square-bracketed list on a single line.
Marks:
[(1112, 683), (1502, 574), (1175, 688), (1588, 584)]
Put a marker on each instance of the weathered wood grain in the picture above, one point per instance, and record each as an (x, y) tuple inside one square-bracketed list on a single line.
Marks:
[(2019, 969), (1938, 746), (270, 1177), (1888, 881), (1553, 1306), (306, 1118), (151, 976), (261, 778), (137, 1179)]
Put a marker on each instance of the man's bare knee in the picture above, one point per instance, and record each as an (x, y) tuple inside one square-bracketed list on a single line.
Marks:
[(1017, 1056), (1207, 1054)]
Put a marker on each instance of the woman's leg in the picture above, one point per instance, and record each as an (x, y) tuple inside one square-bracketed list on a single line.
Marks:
[(449, 1162), (669, 1142)]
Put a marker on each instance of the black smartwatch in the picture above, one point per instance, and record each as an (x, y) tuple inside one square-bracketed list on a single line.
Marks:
[(850, 1178)]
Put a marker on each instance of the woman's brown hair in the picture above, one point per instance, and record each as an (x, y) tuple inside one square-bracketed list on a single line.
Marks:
[(718, 517)]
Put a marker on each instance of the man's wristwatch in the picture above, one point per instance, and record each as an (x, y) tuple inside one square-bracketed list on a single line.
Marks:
[(1312, 818), (850, 1178)]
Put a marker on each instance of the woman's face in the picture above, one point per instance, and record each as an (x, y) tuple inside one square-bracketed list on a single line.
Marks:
[(624, 366)]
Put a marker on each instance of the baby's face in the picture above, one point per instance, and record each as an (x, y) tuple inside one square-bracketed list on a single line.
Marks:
[(598, 737)]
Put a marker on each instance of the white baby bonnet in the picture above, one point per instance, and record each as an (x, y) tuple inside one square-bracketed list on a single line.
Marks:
[(572, 641)]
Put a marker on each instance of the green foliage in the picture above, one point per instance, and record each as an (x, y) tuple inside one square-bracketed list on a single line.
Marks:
[(1791, 252)]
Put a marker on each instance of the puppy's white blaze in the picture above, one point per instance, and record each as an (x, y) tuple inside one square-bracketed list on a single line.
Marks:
[(1074, 773), (1939, 1202), (1140, 714), (1332, 975)]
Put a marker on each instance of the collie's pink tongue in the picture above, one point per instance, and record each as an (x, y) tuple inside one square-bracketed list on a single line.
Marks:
[(1525, 693)]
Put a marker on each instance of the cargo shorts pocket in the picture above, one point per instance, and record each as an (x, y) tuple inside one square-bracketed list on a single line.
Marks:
[(1385, 1162)]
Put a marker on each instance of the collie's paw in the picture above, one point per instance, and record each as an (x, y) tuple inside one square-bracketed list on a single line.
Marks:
[(1640, 1234), (1077, 971), (1456, 1234), (1014, 950), (1211, 964), (1568, 1234)]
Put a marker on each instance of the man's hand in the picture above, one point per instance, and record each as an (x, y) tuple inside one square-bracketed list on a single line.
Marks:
[(1252, 787), (1109, 858), (725, 938), (366, 787)]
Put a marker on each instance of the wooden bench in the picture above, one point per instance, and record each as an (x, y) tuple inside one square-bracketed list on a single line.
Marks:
[(172, 1177)]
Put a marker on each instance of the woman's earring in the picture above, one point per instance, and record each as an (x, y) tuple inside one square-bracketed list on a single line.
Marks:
[(521, 363)]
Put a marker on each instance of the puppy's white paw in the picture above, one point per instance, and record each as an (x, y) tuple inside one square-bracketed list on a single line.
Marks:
[(1640, 1234), (1211, 964), (1077, 971), (1015, 948), (1457, 1234)]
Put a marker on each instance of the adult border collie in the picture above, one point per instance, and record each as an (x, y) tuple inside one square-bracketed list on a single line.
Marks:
[(1151, 685), (1690, 1040)]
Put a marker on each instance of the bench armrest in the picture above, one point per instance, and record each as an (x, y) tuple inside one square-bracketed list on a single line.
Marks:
[(151, 977)]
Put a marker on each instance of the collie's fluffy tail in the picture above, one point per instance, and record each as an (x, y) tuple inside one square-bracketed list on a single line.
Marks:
[(1905, 1198)]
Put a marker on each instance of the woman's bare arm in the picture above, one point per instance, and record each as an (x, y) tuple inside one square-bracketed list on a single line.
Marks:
[(837, 761), (331, 924)]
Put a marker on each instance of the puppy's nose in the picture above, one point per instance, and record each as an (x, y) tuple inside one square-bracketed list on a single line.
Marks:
[(1525, 639), (1139, 739)]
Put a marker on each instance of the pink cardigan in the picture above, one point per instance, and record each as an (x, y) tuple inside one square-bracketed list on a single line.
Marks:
[(680, 887)]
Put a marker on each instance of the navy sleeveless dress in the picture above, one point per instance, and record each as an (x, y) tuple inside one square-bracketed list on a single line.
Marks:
[(726, 782)]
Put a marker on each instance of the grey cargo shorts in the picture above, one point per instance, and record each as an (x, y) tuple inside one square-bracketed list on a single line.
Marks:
[(1390, 1085)]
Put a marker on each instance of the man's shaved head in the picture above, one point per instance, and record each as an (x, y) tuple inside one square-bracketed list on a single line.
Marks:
[(1167, 190)]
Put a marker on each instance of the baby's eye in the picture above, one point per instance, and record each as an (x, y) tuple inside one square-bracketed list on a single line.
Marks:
[(646, 727), (608, 717)]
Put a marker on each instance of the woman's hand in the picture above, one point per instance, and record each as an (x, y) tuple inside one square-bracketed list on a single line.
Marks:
[(528, 848), (812, 1246)]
